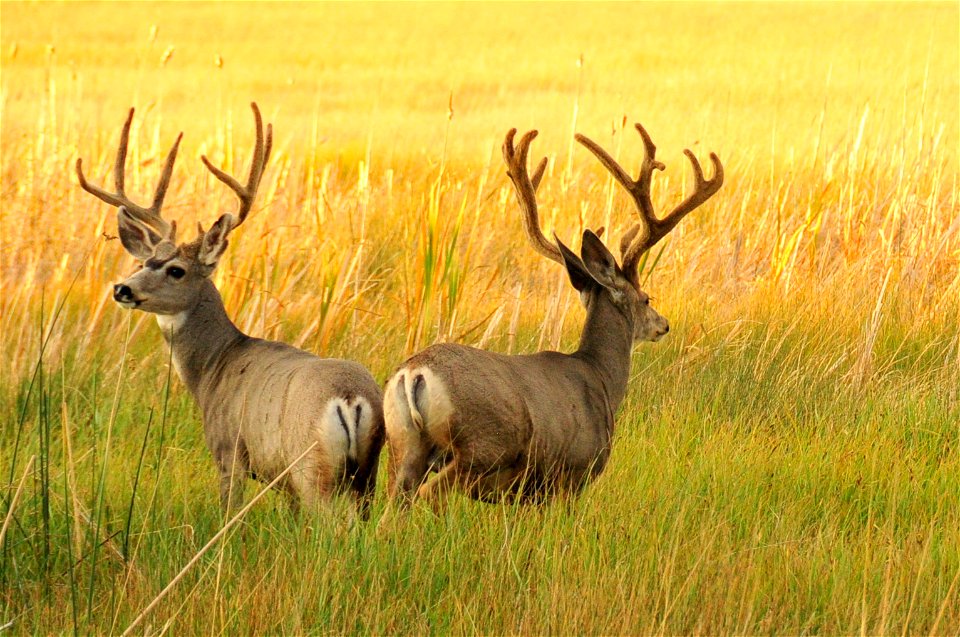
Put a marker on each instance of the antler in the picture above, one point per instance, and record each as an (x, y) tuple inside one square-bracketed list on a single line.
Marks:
[(150, 216), (526, 189), (644, 235), (261, 154)]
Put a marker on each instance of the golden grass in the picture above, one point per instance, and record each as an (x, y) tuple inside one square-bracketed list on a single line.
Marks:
[(786, 457)]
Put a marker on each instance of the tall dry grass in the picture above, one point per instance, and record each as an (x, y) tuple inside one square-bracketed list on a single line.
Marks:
[(786, 462)]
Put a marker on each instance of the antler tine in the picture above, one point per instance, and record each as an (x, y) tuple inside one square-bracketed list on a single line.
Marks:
[(261, 154), (703, 190), (119, 167), (149, 216), (638, 188), (164, 182), (659, 228), (526, 190), (644, 235)]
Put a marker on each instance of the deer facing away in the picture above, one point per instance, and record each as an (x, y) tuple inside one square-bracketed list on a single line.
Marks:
[(532, 426), (264, 403)]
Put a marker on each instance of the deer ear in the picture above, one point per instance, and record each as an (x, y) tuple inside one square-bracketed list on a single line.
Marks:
[(598, 261), (215, 241), (138, 239), (579, 276)]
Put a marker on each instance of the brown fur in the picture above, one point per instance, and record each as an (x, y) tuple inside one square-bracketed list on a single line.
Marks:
[(264, 404), (533, 426), (518, 426)]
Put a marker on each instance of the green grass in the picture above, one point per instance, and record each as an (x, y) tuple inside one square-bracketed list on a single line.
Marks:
[(787, 461), (736, 500)]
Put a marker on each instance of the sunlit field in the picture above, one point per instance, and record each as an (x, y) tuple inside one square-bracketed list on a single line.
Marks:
[(786, 461)]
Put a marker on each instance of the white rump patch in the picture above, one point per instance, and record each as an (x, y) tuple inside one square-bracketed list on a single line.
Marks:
[(415, 400), (345, 424)]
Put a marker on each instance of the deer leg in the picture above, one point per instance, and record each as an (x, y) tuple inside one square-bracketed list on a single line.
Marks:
[(363, 481), (293, 500), (493, 486), (313, 484), (439, 486), (233, 477), (488, 487), (411, 469), (230, 455), (363, 484)]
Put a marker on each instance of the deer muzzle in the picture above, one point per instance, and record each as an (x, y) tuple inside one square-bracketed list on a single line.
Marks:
[(123, 295)]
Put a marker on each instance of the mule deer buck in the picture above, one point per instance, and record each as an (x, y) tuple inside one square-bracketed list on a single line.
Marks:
[(264, 403), (532, 426)]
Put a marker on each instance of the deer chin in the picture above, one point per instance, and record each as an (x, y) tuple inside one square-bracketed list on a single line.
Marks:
[(658, 335), (650, 337), (132, 304)]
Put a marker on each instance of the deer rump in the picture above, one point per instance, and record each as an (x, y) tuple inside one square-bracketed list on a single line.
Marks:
[(512, 427), (273, 401)]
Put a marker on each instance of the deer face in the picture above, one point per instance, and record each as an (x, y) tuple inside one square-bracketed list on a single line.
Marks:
[(161, 285), (648, 324), (170, 276), (596, 275)]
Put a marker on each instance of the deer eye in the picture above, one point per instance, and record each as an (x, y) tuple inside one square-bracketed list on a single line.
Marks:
[(176, 272), (646, 301)]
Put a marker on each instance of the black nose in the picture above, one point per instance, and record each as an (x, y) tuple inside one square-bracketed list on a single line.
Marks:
[(122, 292), (666, 329)]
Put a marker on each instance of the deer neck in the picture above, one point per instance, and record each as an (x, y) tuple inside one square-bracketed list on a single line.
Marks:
[(607, 342), (199, 337)]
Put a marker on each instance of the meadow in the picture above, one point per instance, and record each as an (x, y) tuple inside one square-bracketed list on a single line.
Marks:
[(786, 461)]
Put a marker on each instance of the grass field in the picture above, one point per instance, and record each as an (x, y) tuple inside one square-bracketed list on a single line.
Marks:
[(786, 461)]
